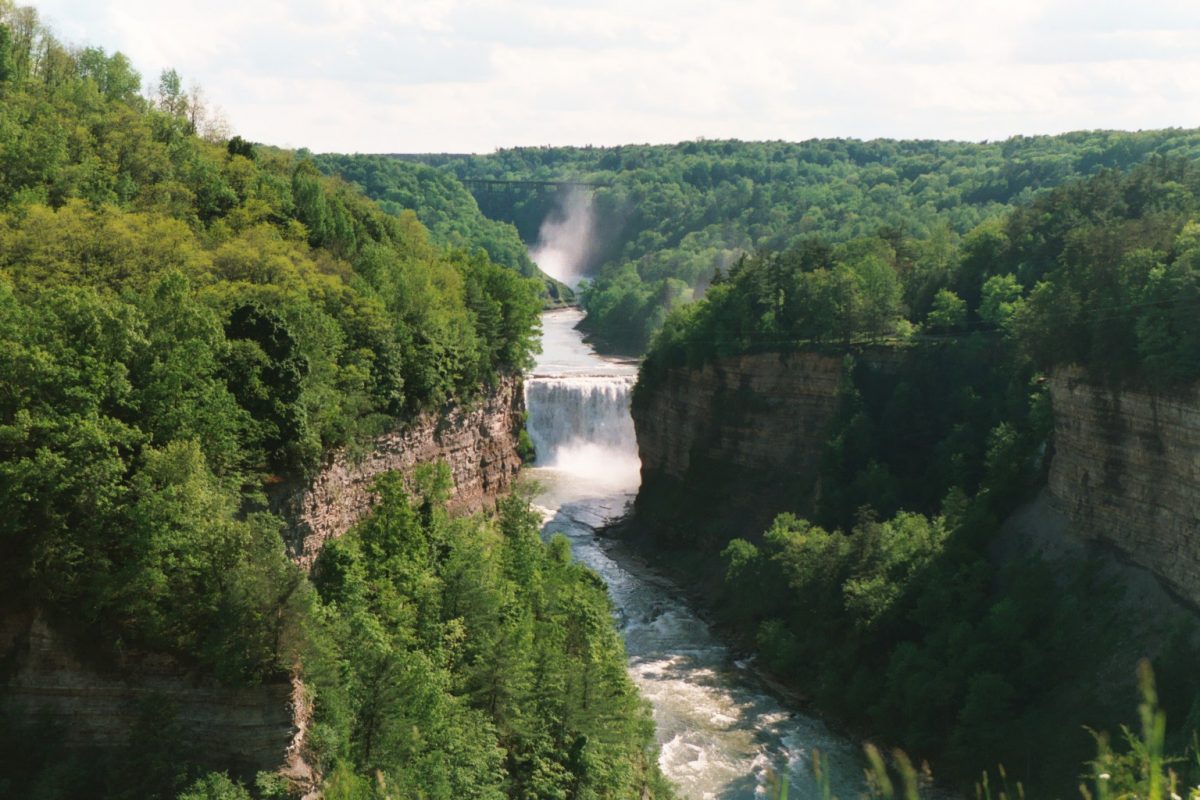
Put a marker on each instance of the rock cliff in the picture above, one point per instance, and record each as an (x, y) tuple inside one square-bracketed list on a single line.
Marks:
[(764, 411), (478, 441), (1126, 472), (735, 434), (242, 730)]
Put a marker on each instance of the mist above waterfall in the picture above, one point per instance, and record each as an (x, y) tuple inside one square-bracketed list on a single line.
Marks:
[(566, 237)]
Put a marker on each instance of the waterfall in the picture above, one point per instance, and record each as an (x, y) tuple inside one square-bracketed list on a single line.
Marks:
[(722, 735), (566, 410), (580, 425)]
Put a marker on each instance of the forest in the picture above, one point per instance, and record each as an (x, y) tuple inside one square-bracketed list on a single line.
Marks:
[(890, 572), (443, 205), (672, 216), (187, 318), (1100, 273)]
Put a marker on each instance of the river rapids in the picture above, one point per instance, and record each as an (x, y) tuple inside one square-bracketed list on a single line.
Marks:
[(723, 733)]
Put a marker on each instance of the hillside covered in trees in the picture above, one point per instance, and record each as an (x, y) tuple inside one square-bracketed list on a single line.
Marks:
[(187, 318), (670, 216), (442, 204), (879, 592)]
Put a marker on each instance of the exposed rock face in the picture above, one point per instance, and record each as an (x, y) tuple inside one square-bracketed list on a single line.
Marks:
[(478, 441), (744, 436), (242, 730), (766, 411), (732, 443), (1126, 471)]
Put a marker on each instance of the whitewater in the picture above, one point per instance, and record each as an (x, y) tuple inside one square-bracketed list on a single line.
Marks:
[(723, 733)]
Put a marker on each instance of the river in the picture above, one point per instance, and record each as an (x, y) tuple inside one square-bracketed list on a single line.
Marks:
[(723, 733)]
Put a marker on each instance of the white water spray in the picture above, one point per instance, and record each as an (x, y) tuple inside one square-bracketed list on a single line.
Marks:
[(722, 735), (580, 425), (565, 239)]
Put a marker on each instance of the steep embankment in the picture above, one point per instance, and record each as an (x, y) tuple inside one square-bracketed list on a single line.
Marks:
[(753, 428), (100, 705), (242, 730), (732, 438), (1126, 472), (1038, 611), (760, 413), (478, 442), (726, 446)]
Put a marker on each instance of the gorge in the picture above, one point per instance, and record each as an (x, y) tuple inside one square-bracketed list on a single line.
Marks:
[(1084, 525), (311, 488), (723, 733)]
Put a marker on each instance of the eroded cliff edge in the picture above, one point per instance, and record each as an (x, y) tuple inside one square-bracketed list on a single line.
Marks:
[(1126, 472), (736, 441), (477, 440), (85, 706), (741, 434), (89, 705)]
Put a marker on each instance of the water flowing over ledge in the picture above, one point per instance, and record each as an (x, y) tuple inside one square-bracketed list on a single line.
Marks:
[(721, 731)]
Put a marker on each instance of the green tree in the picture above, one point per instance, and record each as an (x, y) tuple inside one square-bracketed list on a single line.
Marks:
[(6, 65), (113, 75), (214, 786), (172, 99), (999, 300), (949, 312)]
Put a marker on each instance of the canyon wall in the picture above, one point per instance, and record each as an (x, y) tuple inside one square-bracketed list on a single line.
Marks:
[(765, 411), (1126, 472), (242, 730), (732, 438), (727, 446), (259, 728), (478, 441)]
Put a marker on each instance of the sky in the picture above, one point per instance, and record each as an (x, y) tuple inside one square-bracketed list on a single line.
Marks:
[(476, 75)]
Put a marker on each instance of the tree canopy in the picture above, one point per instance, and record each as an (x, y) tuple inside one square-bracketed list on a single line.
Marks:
[(881, 591), (668, 217), (188, 318)]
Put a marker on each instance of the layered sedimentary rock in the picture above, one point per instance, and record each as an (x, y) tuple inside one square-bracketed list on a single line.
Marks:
[(1126, 471), (238, 729), (765, 411), (478, 441), (748, 433), (727, 446)]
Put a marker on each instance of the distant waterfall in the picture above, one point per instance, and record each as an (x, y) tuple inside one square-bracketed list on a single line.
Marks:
[(580, 424)]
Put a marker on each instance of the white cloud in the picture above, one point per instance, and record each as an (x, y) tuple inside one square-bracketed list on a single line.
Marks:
[(471, 75)]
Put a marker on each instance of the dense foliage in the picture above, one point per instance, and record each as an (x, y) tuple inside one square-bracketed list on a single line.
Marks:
[(442, 204), (1136, 765), (185, 319), (1104, 273), (442, 658), (673, 215), (883, 596), (469, 659), (179, 316)]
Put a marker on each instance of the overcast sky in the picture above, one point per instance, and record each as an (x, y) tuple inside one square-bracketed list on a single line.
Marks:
[(474, 75)]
